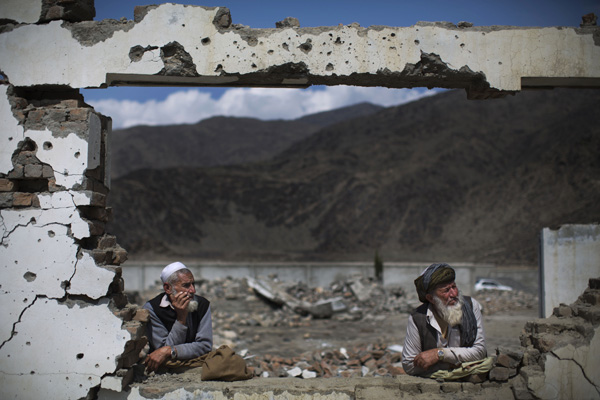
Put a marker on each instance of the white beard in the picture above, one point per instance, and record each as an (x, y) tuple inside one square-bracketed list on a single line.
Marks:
[(192, 305), (451, 314)]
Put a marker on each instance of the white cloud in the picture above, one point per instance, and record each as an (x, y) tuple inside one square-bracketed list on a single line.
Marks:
[(193, 105)]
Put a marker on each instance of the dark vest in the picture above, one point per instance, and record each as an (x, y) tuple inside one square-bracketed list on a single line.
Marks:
[(427, 333), (168, 315)]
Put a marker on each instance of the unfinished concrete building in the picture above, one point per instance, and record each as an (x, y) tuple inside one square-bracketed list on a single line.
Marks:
[(68, 331)]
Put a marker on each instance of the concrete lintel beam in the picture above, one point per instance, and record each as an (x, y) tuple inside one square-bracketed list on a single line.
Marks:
[(174, 44)]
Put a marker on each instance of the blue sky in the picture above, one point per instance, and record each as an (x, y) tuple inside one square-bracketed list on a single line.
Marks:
[(130, 106)]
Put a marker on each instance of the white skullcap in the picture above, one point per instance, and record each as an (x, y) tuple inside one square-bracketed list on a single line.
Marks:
[(169, 269)]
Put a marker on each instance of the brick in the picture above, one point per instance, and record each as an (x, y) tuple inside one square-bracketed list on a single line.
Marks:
[(135, 328), (106, 242), (54, 13), (127, 314), (17, 172), (79, 114), (70, 103), (33, 171), (96, 228), (47, 171), (19, 115), (26, 158), (119, 256), (6, 185), (142, 315), (57, 115), (6, 200), (99, 256), (22, 199), (35, 116), (19, 103)]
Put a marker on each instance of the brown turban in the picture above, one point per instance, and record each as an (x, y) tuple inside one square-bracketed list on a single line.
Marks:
[(431, 277)]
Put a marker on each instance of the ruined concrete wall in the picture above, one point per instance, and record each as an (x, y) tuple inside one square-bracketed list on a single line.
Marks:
[(66, 322), (191, 45), (561, 352), (569, 256)]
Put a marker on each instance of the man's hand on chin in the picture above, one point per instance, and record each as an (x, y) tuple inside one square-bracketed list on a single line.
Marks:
[(157, 358), (427, 359)]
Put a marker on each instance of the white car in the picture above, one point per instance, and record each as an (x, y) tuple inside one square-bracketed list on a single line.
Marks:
[(490, 284)]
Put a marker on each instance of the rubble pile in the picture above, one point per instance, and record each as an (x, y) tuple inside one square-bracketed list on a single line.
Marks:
[(370, 360), (242, 304), (497, 301)]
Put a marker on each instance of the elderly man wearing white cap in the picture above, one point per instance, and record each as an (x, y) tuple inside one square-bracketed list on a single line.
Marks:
[(180, 328)]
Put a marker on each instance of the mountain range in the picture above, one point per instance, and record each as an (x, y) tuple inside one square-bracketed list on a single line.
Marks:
[(439, 179)]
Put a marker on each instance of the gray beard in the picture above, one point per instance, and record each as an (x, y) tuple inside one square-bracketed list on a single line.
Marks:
[(451, 314)]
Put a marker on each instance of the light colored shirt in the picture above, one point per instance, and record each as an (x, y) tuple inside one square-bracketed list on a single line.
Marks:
[(453, 353), (176, 337)]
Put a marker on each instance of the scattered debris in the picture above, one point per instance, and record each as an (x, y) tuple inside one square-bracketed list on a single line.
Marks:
[(295, 306)]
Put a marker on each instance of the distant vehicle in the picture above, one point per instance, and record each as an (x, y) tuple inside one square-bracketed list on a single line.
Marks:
[(490, 284)]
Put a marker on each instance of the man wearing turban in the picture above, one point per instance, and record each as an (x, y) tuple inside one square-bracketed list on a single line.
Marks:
[(444, 336), (180, 327)]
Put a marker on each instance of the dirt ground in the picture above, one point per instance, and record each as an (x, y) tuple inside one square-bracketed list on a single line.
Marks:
[(502, 329), (255, 327)]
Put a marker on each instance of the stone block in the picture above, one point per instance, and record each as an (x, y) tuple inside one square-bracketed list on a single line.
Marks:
[(500, 374), (6, 200), (17, 172), (468, 387), (54, 13), (33, 171), (429, 386), (563, 311), (7, 185), (451, 387), (504, 360), (26, 158), (385, 391), (47, 171), (591, 297)]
